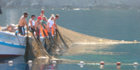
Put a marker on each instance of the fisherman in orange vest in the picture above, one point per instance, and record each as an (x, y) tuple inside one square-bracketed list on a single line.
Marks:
[(43, 26), (40, 29)]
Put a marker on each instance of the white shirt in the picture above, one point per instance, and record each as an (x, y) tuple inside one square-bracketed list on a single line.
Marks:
[(33, 23), (51, 22)]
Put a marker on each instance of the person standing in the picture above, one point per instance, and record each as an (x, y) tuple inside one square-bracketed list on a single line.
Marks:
[(37, 27), (22, 23), (43, 25), (42, 15), (56, 17), (32, 23), (50, 25)]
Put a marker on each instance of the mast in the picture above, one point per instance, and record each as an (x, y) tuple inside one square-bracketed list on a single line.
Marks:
[(0, 10)]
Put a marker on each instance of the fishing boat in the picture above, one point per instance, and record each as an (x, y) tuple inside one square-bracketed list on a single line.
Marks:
[(11, 45)]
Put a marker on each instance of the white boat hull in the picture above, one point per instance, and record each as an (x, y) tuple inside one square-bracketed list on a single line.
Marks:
[(11, 45)]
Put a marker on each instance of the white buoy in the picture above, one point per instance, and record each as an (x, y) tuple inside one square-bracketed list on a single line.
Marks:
[(102, 64), (135, 65), (54, 63), (81, 64), (10, 63), (30, 63)]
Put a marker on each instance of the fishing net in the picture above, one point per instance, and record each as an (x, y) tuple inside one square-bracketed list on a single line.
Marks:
[(34, 49), (57, 44), (50, 46)]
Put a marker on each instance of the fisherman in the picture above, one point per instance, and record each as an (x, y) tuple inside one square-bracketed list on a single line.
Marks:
[(43, 26), (37, 27), (43, 17), (50, 25), (32, 24), (54, 26), (56, 17), (22, 22)]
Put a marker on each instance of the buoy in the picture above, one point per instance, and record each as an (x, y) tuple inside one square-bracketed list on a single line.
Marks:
[(30, 63), (118, 65), (54, 63), (81, 64), (135, 65), (102, 64), (10, 63)]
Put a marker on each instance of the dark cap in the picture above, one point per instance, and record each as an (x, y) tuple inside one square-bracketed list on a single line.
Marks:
[(25, 13)]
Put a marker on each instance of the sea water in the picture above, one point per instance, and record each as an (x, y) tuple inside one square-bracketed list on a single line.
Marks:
[(116, 24)]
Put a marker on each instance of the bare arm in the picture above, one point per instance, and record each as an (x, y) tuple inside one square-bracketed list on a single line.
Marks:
[(25, 22), (48, 26), (55, 24), (35, 25)]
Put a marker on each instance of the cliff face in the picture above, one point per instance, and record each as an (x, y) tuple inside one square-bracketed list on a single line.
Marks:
[(70, 3)]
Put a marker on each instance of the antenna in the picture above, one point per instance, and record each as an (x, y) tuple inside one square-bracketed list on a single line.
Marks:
[(0, 10)]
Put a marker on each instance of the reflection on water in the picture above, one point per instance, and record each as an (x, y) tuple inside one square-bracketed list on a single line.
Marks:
[(89, 49), (91, 55), (109, 53)]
